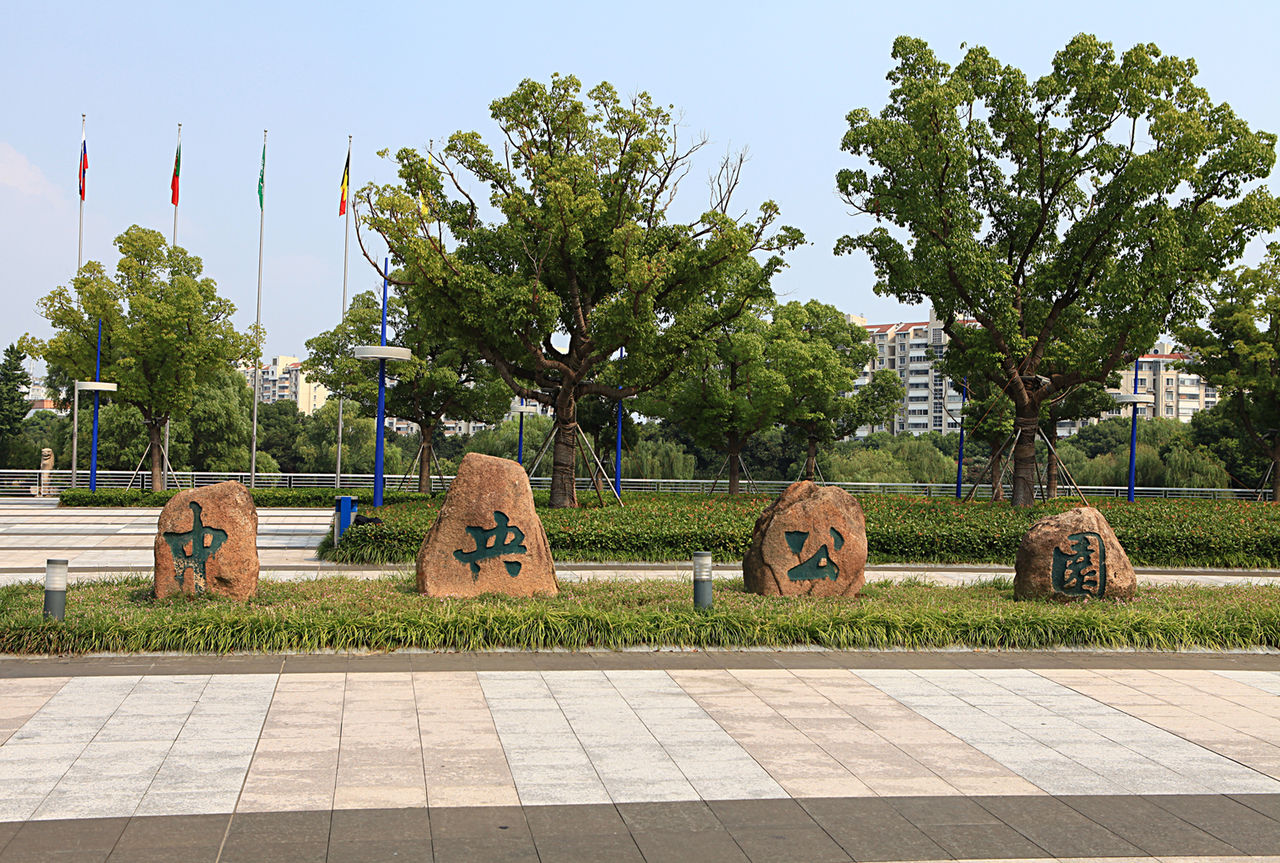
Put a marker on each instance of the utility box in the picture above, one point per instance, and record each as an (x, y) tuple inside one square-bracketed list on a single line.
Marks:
[(344, 510)]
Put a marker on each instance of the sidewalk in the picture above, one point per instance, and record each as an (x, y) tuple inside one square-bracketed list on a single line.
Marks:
[(705, 756)]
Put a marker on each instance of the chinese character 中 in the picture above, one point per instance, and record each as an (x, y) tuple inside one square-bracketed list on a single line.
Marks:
[(503, 538), (200, 553)]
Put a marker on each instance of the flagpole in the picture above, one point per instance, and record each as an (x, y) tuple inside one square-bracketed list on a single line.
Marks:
[(173, 243), (257, 362), (346, 240), (80, 241)]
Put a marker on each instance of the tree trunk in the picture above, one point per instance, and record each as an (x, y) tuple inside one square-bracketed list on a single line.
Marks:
[(1275, 476), (1051, 470), (424, 469), (733, 470), (1024, 456), (563, 494), (811, 459), (155, 434)]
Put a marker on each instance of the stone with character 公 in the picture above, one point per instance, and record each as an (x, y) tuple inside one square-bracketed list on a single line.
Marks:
[(811, 541)]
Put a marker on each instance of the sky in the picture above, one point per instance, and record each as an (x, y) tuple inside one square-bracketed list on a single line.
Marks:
[(775, 79)]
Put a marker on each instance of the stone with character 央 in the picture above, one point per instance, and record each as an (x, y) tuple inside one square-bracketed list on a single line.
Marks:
[(207, 542), (1071, 557), (811, 541), (488, 537)]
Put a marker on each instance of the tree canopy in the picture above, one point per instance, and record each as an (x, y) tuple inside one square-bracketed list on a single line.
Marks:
[(1073, 217), (569, 253)]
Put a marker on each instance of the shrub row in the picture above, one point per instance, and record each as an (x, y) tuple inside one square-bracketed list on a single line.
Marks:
[(899, 530), (293, 497)]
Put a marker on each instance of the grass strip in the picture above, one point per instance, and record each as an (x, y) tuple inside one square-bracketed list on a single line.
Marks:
[(121, 616)]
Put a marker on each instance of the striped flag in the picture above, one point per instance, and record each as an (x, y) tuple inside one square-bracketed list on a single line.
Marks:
[(346, 179), (177, 169), (84, 162)]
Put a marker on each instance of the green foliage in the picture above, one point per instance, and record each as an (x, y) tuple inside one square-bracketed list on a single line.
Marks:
[(338, 614), (900, 529), (1239, 352), (165, 331), (287, 497), (1074, 217), (865, 464), (581, 252), (14, 381), (1224, 436)]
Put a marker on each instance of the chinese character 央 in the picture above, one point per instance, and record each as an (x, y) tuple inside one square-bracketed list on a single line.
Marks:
[(502, 538)]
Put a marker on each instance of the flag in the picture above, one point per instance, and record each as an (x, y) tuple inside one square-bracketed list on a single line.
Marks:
[(84, 162), (262, 174), (346, 179), (177, 168)]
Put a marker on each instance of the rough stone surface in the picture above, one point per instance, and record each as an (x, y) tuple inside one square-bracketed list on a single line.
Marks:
[(223, 558), (488, 537), (811, 541), (1073, 556)]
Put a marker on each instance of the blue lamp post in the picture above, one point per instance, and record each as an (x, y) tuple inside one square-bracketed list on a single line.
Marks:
[(1135, 399), (964, 397), (381, 352)]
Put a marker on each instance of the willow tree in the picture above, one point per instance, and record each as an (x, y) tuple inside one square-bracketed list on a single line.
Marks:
[(1073, 217), (570, 253)]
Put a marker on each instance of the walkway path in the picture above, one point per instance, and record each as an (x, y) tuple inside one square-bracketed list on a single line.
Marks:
[(706, 756)]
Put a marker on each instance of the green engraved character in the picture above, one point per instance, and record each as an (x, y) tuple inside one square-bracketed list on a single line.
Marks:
[(504, 538), (1080, 568), (820, 565), (200, 553)]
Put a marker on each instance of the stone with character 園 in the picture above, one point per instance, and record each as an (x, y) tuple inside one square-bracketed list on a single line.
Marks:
[(1073, 556)]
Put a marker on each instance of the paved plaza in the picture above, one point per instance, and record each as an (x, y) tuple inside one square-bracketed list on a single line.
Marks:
[(653, 756)]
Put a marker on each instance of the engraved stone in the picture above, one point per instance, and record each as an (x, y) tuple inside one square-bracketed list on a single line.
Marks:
[(811, 541), (207, 542), (1073, 556)]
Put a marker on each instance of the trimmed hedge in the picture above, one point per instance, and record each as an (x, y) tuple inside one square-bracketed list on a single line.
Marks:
[(294, 497), (899, 530)]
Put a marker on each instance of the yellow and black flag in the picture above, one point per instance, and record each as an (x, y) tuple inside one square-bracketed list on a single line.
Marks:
[(346, 181)]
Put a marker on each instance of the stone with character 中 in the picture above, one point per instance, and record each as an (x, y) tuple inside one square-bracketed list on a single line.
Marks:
[(207, 542), (488, 537), (1071, 557)]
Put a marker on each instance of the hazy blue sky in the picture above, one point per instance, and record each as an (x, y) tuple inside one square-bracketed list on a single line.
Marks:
[(775, 78)]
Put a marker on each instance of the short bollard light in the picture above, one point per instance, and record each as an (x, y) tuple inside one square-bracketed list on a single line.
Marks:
[(702, 579), (55, 589)]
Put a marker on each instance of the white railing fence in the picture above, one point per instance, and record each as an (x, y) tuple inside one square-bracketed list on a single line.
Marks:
[(25, 483)]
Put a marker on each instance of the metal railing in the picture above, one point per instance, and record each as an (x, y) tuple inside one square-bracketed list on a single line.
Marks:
[(24, 483)]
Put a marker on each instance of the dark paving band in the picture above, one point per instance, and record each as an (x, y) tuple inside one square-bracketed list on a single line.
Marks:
[(12, 666), (776, 831)]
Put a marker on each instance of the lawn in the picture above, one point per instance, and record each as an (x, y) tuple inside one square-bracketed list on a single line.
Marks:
[(383, 615)]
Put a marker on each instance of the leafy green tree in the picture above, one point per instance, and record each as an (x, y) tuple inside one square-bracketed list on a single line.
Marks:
[(1086, 401), (658, 459), (42, 429), (279, 427), (922, 460), (1218, 431), (729, 388), (581, 257), (219, 423), (867, 464), (988, 418), (1074, 217), (503, 440), (1239, 353), (165, 331), (820, 354), (443, 379), (14, 382)]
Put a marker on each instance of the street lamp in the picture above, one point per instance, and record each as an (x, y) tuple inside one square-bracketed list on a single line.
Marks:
[(94, 387), (381, 352), (1135, 398)]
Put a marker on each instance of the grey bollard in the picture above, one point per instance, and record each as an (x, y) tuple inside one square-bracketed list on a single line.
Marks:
[(702, 579), (55, 589)]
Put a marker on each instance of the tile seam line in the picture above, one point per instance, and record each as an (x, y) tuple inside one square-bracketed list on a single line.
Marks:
[(1171, 733), (542, 675), (422, 755), (226, 831)]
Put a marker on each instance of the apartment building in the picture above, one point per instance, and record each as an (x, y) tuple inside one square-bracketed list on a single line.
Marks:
[(282, 379), (909, 349), (930, 403)]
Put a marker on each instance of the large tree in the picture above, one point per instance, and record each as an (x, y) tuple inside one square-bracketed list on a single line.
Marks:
[(443, 379), (820, 354), (14, 382), (1239, 353), (570, 253), (166, 334), (1073, 217)]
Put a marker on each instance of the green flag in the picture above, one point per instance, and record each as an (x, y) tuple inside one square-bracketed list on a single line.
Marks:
[(262, 174)]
